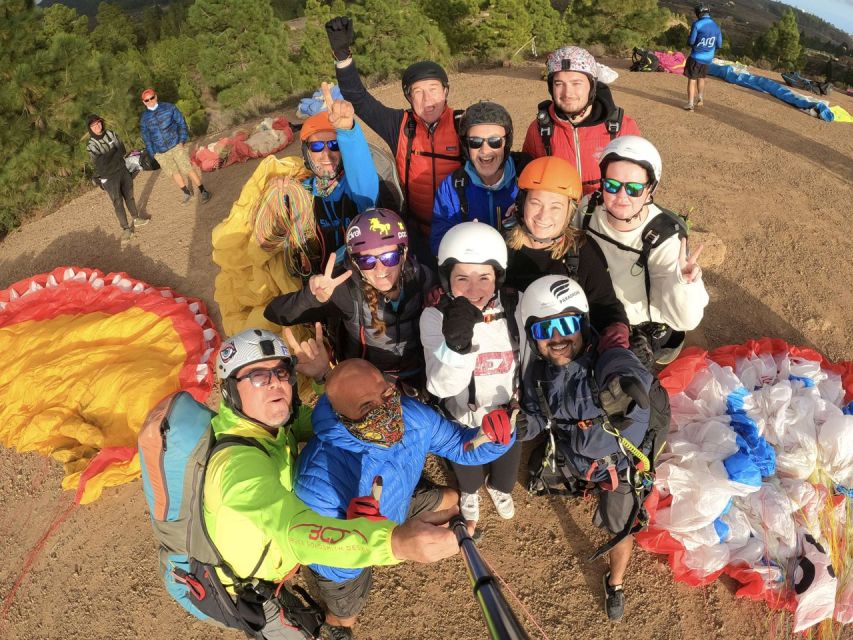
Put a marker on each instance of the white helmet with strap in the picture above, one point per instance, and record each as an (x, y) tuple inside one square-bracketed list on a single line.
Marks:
[(472, 243), (550, 296), (637, 150)]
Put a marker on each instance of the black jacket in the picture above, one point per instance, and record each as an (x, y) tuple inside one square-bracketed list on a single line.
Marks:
[(106, 152)]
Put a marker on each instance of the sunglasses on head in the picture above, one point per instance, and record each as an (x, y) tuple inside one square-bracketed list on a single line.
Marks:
[(389, 259), (633, 189), (475, 142), (149, 99), (317, 145), (262, 377), (565, 326)]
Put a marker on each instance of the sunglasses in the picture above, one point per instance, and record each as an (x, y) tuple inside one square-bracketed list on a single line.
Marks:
[(389, 259), (151, 99), (633, 189), (262, 377), (475, 142), (317, 145), (565, 326)]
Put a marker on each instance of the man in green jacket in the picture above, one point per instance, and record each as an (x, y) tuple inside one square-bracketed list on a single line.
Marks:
[(257, 523)]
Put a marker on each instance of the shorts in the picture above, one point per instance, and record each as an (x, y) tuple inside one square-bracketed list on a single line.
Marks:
[(175, 160), (614, 508), (346, 599), (694, 69)]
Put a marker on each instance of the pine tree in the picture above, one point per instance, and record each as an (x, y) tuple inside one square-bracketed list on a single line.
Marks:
[(313, 60), (61, 19), (780, 44), (457, 20), (546, 25), (114, 31), (505, 29), (617, 24)]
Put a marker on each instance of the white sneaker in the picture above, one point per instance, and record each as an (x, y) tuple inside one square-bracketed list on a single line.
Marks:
[(700, 102), (503, 502), (469, 506), (688, 106)]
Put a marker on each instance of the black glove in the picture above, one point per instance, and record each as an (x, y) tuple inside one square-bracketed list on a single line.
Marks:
[(341, 36), (460, 316), (621, 391)]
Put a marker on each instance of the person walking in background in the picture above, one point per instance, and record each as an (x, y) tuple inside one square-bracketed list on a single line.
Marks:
[(705, 39), (106, 151), (164, 132)]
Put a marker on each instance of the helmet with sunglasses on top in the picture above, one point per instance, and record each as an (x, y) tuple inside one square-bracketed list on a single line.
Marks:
[(637, 150), (551, 298), (472, 243), (249, 347), (486, 113)]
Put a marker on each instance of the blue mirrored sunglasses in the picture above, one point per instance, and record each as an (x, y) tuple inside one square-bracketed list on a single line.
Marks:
[(389, 259), (565, 326), (317, 145), (633, 189)]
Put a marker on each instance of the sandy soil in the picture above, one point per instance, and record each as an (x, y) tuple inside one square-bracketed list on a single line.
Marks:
[(768, 187)]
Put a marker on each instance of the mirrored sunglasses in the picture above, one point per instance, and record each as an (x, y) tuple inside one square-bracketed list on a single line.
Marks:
[(475, 142), (565, 326), (633, 189), (317, 145), (389, 259), (262, 377)]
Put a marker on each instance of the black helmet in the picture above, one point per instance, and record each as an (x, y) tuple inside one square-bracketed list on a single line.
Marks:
[(702, 9), (424, 70), (486, 113)]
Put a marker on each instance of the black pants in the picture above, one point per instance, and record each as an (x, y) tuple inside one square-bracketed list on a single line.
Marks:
[(502, 472), (120, 190)]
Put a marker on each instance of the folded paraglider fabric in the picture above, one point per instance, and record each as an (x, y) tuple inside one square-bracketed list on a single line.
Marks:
[(87, 355)]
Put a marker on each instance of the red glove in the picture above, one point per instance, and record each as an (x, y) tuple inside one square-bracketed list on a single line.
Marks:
[(497, 426), (367, 506)]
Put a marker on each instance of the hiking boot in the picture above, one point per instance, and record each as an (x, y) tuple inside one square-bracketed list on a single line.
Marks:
[(503, 502), (469, 506), (688, 106), (328, 632), (614, 599), (204, 196), (671, 348), (141, 220), (126, 235)]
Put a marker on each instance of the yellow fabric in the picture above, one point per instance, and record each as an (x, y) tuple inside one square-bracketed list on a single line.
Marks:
[(841, 114), (74, 384)]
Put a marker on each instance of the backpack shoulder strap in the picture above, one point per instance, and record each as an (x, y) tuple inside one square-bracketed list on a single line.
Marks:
[(656, 232), (572, 262), (230, 441), (410, 130), (460, 183), (613, 122), (546, 125), (457, 119), (509, 301)]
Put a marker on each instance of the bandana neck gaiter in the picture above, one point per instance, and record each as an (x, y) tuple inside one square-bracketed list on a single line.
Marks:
[(382, 426)]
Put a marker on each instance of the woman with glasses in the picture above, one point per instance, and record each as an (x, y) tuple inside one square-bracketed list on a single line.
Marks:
[(485, 188), (543, 242), (377, 294), (657, 281), (344, 180)]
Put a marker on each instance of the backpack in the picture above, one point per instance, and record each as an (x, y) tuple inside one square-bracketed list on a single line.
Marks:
[(148, 162), (175, 444), (613, 124), (645, 60)]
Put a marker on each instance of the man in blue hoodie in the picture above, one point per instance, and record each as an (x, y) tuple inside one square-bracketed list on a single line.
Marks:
[(705, 39), (485, 188)]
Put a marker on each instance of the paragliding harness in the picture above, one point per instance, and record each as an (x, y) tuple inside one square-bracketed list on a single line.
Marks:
[(175, 445), (549, 464), (460, 181), (644, 60)]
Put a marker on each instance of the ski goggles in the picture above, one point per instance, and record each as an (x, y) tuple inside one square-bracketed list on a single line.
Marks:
[(262, 377), (317, 145), (633, 189), (475, 142), (564, 325), (389, 259)]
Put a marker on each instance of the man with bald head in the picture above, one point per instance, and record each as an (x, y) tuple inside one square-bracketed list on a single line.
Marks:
[(366, 459)]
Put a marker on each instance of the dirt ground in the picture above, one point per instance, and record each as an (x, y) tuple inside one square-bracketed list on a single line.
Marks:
[(768, 187)]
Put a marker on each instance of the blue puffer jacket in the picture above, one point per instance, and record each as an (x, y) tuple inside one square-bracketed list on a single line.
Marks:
[(162, 128), (336, 467), (569, 393), (489, 204)]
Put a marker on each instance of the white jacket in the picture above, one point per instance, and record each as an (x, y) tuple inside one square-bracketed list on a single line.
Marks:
[(492, 361), (674, 302)]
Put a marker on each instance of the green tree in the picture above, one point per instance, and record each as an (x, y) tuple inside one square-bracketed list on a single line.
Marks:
[(619, 25), (151, 26), (457, 20), (506, 28), (780, 44), (61, 19), (313, 59), (114, 31), (546, 25)]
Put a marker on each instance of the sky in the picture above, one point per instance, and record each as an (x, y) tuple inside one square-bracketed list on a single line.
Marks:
[(838, 13)]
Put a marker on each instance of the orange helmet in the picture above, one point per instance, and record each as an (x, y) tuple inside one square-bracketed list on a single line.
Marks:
[(315, 124), (553, 174)]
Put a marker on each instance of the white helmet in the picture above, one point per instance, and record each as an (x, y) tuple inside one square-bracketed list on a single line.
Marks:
[(572, 59), (552, 295), (472, 243), (637, 150), (247, 347)]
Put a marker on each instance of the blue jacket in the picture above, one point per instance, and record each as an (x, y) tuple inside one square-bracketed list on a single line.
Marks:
[(486, 204), (162, 128), (336, 467), (568, 391), (705, 38)]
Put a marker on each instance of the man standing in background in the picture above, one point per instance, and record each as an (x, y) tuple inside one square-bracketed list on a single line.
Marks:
[(705, 39)]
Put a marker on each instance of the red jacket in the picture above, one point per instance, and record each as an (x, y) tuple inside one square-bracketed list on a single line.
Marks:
[(582, 145)]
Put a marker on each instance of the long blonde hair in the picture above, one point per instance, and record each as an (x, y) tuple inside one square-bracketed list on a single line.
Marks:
[(571, 239)]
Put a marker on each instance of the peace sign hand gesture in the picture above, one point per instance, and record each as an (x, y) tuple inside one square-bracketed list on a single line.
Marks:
[(312, 359), (323, 285), (688, 266), (341, 112)]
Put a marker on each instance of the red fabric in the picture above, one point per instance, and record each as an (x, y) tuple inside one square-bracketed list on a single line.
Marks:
[(592, 141), (231, 150)]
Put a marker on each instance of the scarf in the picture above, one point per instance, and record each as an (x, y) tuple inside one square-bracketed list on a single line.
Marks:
[(382, 425)]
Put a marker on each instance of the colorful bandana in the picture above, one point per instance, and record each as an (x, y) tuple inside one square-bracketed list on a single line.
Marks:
[(382, 425)]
